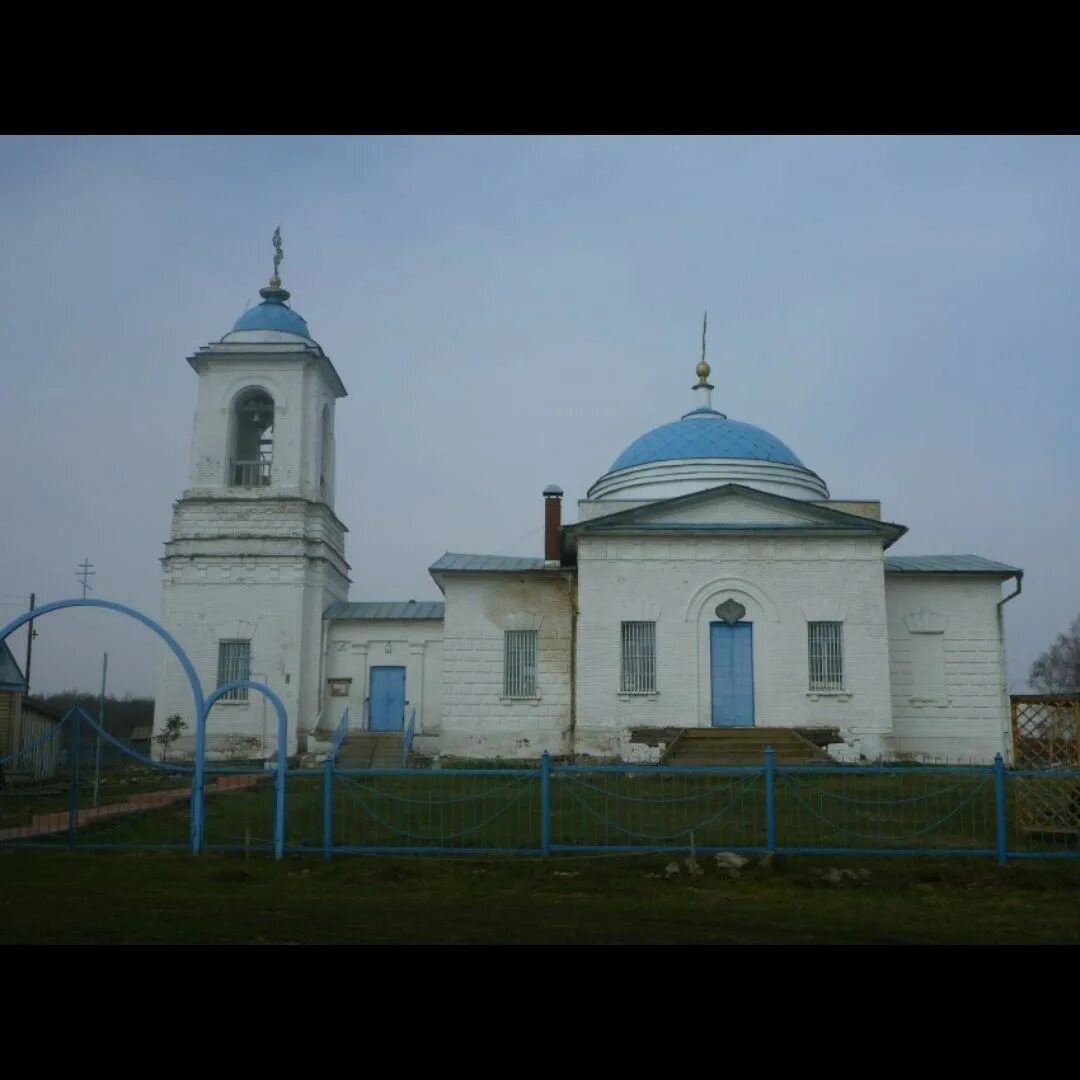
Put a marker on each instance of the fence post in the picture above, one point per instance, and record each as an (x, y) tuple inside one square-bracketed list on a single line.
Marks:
[(999, 806), (328, 808), (73, 787), (280, 782), (770, 802), (198, 784), (545, 804)]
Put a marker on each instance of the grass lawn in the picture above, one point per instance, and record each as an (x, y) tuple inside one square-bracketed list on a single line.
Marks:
[(56, 897)]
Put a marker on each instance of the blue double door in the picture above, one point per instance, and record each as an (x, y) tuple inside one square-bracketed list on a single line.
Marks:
[(386, 699), (731, 650)]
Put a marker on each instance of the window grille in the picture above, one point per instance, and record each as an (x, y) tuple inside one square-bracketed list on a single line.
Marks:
[(639, 657), (519, 666), (234, 663), (826, 645)]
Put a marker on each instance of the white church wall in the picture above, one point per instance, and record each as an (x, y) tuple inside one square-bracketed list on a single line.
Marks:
[(257, 522), (354, 646), (208, 600), (478, 721), (204, 574), (782, 583), (947, 658)]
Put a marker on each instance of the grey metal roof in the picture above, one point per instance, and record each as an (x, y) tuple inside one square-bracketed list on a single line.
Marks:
[(478, 563), (723, 526), (387, 609), (11, 676), (947, 564)]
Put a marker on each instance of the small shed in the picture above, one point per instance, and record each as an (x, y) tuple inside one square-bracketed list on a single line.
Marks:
[(12, 691)]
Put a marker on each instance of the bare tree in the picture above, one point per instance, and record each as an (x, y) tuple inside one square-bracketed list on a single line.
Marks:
[(1057, 671), (174, 725)]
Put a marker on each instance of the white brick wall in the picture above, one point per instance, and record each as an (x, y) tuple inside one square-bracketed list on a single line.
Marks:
[(354, 646), (957, 618), (279, 607), (477, 721), (258, 525), (782, 583)]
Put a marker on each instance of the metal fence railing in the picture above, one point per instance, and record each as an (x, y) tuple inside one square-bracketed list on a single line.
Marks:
[(979, 811), (407, 739)]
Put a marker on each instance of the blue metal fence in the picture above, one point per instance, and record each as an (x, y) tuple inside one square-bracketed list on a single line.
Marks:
[(974, 811), (407, 739), (786, 810)]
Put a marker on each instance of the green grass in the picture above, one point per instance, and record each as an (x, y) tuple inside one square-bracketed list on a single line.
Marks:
[(19, 803), (157, 897)]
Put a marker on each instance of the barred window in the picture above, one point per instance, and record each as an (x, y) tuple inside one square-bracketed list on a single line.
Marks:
[(519, 664), (234, 663), (826, 645), (639, 657)]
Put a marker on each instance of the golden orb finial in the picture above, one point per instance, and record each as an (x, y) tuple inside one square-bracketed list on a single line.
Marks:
[(703, 370)]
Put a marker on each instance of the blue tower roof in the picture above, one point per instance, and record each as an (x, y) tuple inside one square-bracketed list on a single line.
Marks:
[(273, 315), (705, 434)]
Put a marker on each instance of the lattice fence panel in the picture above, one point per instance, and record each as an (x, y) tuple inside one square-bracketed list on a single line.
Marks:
[(1046, 735)]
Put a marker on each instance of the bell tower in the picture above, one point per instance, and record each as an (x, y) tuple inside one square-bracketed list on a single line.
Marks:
[(256, 553)]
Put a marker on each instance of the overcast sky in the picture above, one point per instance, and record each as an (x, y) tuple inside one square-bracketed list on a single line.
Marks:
[(512, 312)]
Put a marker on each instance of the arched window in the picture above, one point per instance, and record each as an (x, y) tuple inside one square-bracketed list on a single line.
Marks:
[(253, 440), (326, 457)]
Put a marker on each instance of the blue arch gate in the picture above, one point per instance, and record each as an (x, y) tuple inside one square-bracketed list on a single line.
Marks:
[(62, 752)]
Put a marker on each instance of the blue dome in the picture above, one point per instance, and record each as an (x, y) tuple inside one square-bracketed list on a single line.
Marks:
[(273, 315), (705, 435)]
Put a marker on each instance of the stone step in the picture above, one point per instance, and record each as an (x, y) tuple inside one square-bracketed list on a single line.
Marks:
[(727, 734), (372, 750), (742, 746)]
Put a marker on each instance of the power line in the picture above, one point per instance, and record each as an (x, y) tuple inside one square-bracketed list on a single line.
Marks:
[(525, 536)]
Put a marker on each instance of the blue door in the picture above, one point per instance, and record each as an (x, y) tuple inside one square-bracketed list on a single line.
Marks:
[(387, 696), (732, 649)]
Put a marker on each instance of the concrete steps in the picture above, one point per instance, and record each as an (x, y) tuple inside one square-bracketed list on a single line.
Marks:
[(371, 750), (742, 746)]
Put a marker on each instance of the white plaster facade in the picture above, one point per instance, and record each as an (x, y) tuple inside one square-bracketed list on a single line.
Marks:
[(950, 699), (661, 539), (782, 584), (479, 720)]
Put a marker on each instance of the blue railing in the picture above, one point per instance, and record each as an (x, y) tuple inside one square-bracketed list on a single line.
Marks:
[(339, 735), (785, 810), (407, 741), (975, 811)]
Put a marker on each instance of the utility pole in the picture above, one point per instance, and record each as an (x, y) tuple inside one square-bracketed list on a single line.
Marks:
[(101, 724), (85, 573), (30, 635)]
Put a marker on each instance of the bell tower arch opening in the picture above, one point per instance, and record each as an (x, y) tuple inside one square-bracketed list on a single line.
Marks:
[(251, 455)]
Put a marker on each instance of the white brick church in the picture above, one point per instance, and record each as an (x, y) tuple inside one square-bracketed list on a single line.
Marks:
[(710, 581)]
